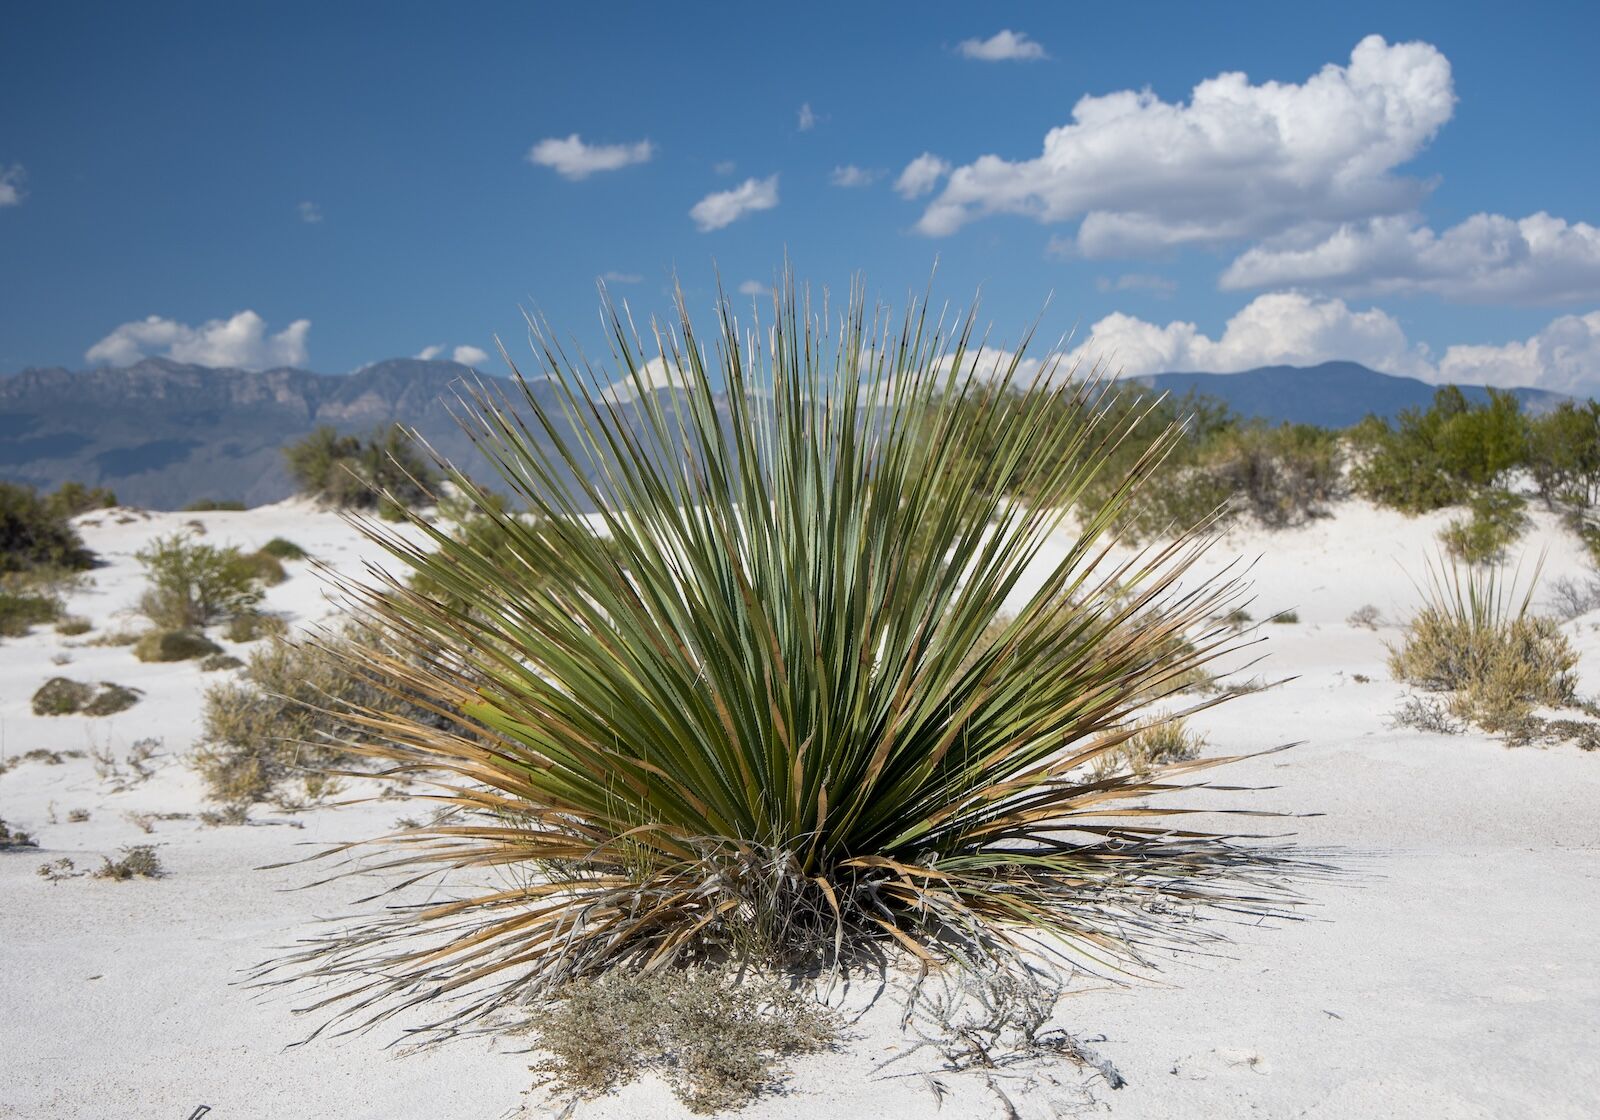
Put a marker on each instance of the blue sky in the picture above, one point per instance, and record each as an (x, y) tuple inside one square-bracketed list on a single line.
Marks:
[(334, 184)]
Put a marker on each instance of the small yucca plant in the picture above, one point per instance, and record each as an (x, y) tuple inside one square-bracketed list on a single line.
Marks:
[(735, 684)]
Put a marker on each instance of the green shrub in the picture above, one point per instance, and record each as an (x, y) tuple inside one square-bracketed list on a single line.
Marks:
[(264, 568), (60, 696), (1442, 456), (1477, 640), (72, 498), (382, 472), (280, 549), (738, 715), (36, 534), (174, 645), (193, 585), (14, 838), (254, 625), (716, 1042), (1496, 522), (1564, 454), (139, 861), (208, 505)]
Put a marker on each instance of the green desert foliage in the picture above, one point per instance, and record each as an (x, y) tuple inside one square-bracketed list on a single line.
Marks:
[(192, 585), (281, 549), (1477, 640), (1442, 456), (174, 645), (735, 714), (35, 532), (1495, 521), (62, 696), (382, 472)]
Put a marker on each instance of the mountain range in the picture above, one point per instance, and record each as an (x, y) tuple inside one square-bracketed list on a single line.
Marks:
[(162, 434)]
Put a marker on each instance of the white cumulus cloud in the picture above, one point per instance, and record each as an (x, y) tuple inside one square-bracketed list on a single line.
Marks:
[(469, 355), (1564, 356), (429, 353), (11, 178), (721, 208), (921, 175), (241, 341), (850, 175), (1003, 46), (1487, 258), (1236, 161), (574, 159), (1280, 328), (656, 374)]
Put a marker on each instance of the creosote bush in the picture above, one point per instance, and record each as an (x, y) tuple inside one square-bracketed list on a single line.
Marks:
[(735, 715), (382, 472), (35, 532), (193, 585), (1496, 521), (717, 1042), (1476, 638), (281, 549)]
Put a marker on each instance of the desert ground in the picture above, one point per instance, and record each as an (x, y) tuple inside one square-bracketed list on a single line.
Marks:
[(1446, 968)]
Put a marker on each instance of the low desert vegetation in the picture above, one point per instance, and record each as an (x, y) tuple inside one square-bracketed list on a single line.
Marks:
[(281, 549), (174, 645), (1477, 640), (218, 662), (733, 716), (62, 696), (1496, 519), (1156, 743), (716, 1041), (383, 472), (136, 861), (73, 625), (252, 626), (12, 838), (209, 505), (36, 531), (192, 585)]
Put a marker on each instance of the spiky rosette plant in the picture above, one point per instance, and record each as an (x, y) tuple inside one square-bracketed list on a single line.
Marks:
[(734, 683)]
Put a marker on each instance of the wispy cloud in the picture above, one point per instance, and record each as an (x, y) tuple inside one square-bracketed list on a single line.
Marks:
[(11, 192), (310, 213), (1136, 282), (724, 167), (852, 176), (1003, 46), (573, 159), (754, 288), (722, 208), (621, 277), (241, 341), (921, 175), (808, 119)]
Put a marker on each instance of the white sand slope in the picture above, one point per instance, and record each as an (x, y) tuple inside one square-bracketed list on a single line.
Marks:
[(1450, 972)]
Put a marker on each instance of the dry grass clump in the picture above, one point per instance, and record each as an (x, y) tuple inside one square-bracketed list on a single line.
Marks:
[(1158, 741), (265, 568), (71, 625), (174, 645), (716, 1039), (111, 699), (281, 549), (21, 611), (14, 838), (1367, 617), (117, 638), (290, 714), (1476, 639), (253, 626), (220, 661), (61, 696), (138, 861)]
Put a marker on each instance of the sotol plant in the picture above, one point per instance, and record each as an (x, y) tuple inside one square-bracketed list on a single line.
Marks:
[(731, 711)]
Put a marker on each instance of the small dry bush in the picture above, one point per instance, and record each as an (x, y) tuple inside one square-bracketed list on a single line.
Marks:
[(1571, 597), (138, 861), (194, 585), (267, 569), (174, 645), (72, 625), (220, 661), (1474, 638), (281, 549), (111, 699), (285, 717), (1159, 741), (117, 638), (716, 1041), (1367, 617)]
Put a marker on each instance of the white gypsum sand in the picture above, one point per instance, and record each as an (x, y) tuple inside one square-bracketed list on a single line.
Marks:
[(1449, 972)]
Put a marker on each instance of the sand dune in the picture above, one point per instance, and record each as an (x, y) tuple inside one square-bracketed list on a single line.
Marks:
[(1448, 971)]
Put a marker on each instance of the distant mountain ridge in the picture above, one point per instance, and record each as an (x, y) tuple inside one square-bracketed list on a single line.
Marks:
[(163, 434), (1333, 394)]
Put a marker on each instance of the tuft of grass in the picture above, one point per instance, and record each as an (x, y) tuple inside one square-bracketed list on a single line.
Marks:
[(71, 625), (117, 637), (281, 549), (735, 714), (718, 1043), (1285, 617), (220, 661), (1156, 742), (21, 609), (1476, 638), (138, 861), (174, 645), (78, 816)]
